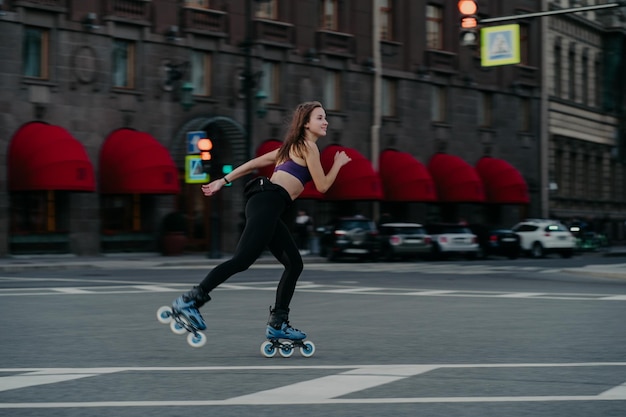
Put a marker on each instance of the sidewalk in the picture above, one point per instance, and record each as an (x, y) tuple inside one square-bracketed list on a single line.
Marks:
[(121, 261), (155, 260)]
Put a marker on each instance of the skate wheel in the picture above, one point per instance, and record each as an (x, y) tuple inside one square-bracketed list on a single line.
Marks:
[(164, 315), (177, 328), (196, 340), (286, 350), (268, 350), (308, 349)]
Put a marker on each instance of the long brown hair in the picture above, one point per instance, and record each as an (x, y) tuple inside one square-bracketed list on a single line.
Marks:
[(295, 137)]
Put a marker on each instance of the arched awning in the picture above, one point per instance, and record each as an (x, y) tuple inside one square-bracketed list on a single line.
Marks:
[(46, 157), (133, 162), (265, 147), (404, 178), (356, 180), (503, 182), (456, 180)]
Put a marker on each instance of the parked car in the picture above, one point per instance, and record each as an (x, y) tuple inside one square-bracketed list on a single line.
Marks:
[(403, 240), (540, 237), (499, 242), (350, 236), (452, 238)]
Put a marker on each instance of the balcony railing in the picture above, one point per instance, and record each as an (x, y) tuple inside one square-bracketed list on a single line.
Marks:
[(55, 4), (274, 32), (207, 20), (128, 9), (335, 43)]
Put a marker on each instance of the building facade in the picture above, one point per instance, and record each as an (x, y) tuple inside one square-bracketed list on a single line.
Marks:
[(101, 98), (586, 117)]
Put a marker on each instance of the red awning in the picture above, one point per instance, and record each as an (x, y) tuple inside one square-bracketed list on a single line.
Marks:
[(456, 180), (133, 162), (404, 178), (356, 180), (47, 157), (267, 146), (503, 182)]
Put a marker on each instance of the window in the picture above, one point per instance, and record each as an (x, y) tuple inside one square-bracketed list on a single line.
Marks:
[(523, 44), (573, 170), (572, 73), (36, 52), (37, 212), (201, 4), (439, 104), (558, 70), (329, 15), (485, 107), (389, 97), (598, 82), (386, 27), (585, 78), (126, 213), (266, 9), (270, 82), (201, 66), (525, 115), (332, 88), (599, 183), (123, 64), (434, 27)]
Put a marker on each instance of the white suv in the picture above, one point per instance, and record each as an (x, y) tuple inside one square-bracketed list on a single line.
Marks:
[(538, 237)]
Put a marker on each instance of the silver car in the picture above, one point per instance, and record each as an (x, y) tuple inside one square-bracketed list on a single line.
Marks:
[(452, 238), (403, 240)]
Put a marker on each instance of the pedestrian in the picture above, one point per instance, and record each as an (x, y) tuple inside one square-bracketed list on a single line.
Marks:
[(304, 226), (296, 162)]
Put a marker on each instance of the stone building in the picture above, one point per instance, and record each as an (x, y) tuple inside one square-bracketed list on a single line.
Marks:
[(586, 119), (100, 98)]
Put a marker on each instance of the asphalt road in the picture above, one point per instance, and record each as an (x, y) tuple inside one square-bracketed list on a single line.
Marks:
[(493, 338)]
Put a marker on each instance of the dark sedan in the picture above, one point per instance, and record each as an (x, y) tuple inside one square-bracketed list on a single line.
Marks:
[(497, 242)]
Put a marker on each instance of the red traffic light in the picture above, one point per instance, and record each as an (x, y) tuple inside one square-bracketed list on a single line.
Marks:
[(469, 22), (467, 7), (205, 145)]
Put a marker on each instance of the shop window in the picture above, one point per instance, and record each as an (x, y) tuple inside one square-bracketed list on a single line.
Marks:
[(39, 212), (35, 53)]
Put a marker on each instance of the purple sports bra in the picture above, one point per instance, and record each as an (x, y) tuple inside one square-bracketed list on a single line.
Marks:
[(300, 172)]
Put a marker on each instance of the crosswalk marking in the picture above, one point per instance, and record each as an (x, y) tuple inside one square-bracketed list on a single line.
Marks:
[(308, 286), (330, 389)]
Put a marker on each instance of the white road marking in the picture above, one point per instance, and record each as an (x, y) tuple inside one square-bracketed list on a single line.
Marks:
[(306, 286), (324, 390)]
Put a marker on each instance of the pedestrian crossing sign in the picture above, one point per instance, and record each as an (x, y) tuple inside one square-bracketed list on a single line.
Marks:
[(500, 45), (194, 174)]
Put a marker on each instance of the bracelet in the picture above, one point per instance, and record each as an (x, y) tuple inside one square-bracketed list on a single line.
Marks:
[(226, 180)]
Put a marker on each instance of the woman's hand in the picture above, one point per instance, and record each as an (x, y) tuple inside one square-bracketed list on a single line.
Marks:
[(212, 187), (342, 158)]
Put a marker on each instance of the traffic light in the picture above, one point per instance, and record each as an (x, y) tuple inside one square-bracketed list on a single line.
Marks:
[(469, 22), (205, 145)]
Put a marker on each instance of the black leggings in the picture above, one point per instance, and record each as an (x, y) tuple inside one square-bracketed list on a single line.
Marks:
[(264, 228)]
